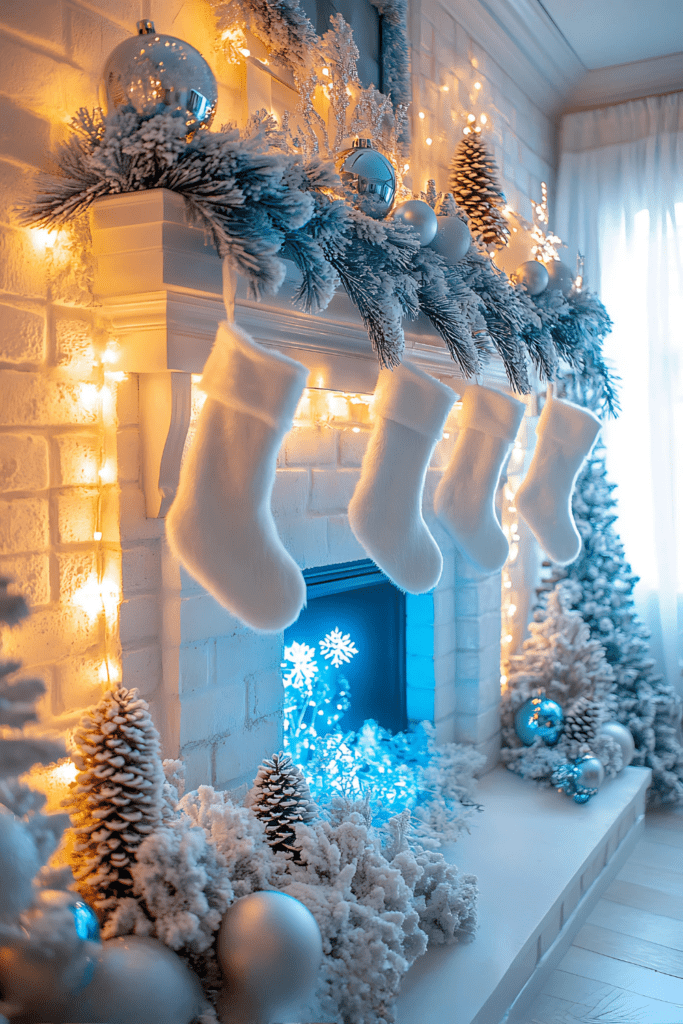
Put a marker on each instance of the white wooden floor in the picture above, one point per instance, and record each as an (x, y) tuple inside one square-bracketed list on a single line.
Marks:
[(626, 964)]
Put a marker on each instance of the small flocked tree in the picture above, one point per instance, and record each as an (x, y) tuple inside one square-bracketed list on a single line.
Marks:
[(281, 799), (560, 658), (603, 596), (117, 798), (27, 837), (474, 183)]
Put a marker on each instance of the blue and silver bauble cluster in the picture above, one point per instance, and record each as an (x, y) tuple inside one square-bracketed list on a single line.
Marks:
[(579, 779)]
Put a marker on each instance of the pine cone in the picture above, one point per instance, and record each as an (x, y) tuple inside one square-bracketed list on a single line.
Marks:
[(474, 183), (582, 722), (281, 798)]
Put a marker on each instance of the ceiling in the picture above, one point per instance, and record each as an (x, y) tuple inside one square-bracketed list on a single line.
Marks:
[(604, 33)]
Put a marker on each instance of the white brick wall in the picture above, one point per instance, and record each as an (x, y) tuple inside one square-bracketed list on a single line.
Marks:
[(187, 656)]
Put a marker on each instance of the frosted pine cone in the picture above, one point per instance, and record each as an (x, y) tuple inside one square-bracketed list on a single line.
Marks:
[(280, 797)]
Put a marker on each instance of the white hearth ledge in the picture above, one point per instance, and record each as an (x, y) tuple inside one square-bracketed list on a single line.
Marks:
[(542, 862)]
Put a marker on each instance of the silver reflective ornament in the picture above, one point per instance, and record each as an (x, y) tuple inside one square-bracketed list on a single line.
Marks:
[(560, 277), (452, 239), (590, 773), (269, 950), (539, 717), (420, 216), (152, 72), (533, 276), (370, 174), (622, 735)]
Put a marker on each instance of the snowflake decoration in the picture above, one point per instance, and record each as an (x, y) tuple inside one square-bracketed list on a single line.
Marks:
[(304, 666), (337, 648)]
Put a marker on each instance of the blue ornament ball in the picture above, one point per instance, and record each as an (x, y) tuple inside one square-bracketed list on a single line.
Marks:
[(539, 717), (420, 216), (85, 919)]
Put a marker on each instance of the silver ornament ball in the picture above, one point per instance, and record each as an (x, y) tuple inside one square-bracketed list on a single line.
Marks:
[(269, 950), (533, 277), (589, 773), (560, 277), (539, 717), (152, 72), (420, 216), (370, 174), (452, 239), (622, 735)]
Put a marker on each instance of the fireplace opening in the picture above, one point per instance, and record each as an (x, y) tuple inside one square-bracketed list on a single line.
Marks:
[(348, 647)]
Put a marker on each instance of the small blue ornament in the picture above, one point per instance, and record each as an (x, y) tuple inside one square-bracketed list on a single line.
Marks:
[(539, 717), (87, 925), (579, 779)]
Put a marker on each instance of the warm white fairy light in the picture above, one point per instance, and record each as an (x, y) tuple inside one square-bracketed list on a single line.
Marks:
[(544, 242)]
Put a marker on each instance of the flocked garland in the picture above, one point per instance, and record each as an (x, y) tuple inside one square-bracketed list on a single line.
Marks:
[(261, 200)]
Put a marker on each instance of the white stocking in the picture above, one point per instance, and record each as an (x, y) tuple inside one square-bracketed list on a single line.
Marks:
[(565, 435), (220, 525), (385, 511), (464, 499)]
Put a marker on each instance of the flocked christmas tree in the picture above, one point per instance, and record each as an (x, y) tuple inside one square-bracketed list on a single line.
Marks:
[(117, 798), (560, 658), (281, 798), (474, 183), (27, 837), (603, 596)]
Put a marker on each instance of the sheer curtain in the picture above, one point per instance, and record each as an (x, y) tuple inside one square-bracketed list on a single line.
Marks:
[(620, 203)]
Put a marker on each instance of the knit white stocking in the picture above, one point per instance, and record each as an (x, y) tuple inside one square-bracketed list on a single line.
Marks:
[(464, 499), (385, 511), (220, 525), (565, 435)]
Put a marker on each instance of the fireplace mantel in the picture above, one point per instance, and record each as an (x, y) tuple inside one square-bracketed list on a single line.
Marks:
[(158, 282)]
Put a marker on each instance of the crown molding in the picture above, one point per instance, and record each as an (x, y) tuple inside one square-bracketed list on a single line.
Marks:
[(623, 82)]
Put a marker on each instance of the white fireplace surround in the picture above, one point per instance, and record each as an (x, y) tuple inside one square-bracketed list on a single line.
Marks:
[(219, 705)]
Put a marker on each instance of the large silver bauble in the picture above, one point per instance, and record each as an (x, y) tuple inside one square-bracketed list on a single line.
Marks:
[(420, 216), (269, 950), (539, 717), (138, 981), (622, 735), (452, 239), (589, 773), (370, 174), (560, 277), (533, 276), (152, 72)]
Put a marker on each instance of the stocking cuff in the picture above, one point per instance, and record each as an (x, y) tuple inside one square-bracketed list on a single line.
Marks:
[(491, 412), (575, 427), (255, 380), (409, 396)]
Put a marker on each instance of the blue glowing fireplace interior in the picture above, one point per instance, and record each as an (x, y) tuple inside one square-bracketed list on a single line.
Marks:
[(348, 644)]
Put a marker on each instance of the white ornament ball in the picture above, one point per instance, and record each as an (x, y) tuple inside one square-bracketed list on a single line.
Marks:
[(533, 276), (560, 277), (420, 216), (269, 950), (622, 735), (452, 239), (138, 981)]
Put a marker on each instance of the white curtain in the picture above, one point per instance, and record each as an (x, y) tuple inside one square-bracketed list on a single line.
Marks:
[(620, 203)]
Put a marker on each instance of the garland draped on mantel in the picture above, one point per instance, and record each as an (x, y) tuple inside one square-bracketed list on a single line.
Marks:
[(260, 201)]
